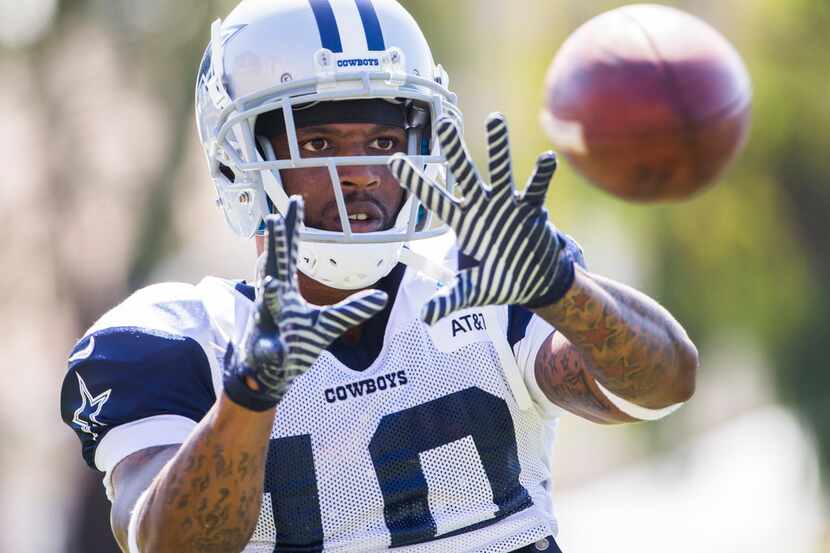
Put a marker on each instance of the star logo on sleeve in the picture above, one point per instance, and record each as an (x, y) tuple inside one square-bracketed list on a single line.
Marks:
[(86, 416)]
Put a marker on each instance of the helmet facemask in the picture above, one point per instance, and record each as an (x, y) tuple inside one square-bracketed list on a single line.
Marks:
[(346, 258)]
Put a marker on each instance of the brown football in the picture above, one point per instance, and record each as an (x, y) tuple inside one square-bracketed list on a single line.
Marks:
[(648, 102)]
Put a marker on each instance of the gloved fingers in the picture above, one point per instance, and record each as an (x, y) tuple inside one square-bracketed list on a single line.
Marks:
[(430, 194), (269, 305), (539, 182), (295, 312), (358, 308), (459, 160), (293, 220), (498, 149), (274, 232), (456, 296)]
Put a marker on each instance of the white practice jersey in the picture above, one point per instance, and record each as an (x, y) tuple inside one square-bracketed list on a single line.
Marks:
[(412, 439)]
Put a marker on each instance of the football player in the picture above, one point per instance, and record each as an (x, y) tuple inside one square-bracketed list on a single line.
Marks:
[(394, 376)]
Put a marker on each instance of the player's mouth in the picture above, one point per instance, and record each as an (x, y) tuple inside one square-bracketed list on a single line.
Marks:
[(364, 216)]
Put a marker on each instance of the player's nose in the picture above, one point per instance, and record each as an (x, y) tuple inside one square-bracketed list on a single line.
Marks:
[(359, 177)]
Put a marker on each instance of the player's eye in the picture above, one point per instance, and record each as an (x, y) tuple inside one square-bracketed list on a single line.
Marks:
[(316, 145), (384, 143)]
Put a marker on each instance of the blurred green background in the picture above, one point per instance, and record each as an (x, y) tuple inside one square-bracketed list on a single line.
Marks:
[(104, 190)]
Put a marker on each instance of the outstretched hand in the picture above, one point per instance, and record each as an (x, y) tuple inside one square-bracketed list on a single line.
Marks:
[(286, 334), (508, 233)]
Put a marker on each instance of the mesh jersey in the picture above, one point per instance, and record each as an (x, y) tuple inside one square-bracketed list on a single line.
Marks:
[(424, 450)]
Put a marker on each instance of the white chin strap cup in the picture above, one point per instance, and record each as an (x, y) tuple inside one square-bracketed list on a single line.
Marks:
[(357, 266), (348, 266)]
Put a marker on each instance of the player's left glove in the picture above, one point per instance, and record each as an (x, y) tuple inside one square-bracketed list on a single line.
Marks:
[(522, 258), (285, 334)]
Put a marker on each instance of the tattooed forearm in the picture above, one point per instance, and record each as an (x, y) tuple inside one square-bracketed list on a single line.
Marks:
[(628, 342), (562, 374), (207, 498)]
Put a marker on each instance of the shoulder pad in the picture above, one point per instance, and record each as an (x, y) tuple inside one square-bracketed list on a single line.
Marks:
[(172, 307), (147, 356)]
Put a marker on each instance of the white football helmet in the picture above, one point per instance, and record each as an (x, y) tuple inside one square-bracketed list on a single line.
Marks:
[(288, 54)]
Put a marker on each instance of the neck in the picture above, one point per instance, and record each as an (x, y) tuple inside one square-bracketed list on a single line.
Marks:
[(320, 294), (313, 291)]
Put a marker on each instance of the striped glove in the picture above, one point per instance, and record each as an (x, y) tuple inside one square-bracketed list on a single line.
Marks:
[(286, 334), (522, 258)]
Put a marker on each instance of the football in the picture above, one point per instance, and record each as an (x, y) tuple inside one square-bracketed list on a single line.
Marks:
[(648, 102)]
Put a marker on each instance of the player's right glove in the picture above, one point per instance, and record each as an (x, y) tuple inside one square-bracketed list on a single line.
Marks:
[(286, 334), (522, 258)]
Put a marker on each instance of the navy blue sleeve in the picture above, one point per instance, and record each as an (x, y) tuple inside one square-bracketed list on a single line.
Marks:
[(518, 318), (124, 374)]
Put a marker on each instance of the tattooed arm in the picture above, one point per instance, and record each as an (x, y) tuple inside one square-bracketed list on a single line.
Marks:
[(612, 334), (205, 495)]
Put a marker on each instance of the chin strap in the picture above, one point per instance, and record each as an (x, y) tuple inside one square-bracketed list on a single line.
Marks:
[(426, 266)]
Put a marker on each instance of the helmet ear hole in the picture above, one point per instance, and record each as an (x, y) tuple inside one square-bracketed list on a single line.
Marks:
[(270, 124), (227, 172)]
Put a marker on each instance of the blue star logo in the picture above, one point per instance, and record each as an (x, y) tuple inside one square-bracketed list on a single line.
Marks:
[(86, 416)]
